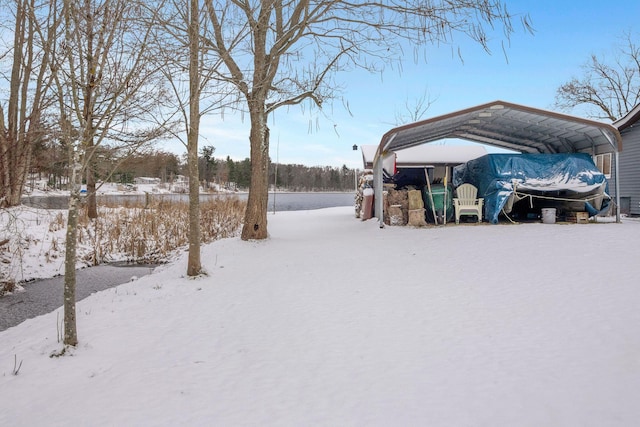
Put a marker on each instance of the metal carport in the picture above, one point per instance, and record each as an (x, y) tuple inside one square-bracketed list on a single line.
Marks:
[(505, 125)]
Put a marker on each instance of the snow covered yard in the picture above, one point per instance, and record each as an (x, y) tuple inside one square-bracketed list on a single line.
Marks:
[(334, 322)]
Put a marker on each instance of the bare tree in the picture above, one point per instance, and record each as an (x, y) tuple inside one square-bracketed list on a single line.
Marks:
[(194, 265), (27, 81), (610, 88), (414, 109), (108, 93), (286, 52), (189, 67)]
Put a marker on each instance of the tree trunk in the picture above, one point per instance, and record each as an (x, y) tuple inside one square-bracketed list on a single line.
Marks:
[(92, 204), (15, 164), (255, 217), (12, 145), (92, 60), (194, 266), (70, 330)]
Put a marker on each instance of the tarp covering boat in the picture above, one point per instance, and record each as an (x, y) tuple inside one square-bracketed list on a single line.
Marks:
[(569, 182)]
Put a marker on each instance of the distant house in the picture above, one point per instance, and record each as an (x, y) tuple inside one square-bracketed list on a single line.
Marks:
[(429, 156), (146, 180), (629, 162), (180, 184)]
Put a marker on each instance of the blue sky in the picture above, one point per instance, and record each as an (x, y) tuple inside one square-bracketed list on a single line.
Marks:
[(566, 33)]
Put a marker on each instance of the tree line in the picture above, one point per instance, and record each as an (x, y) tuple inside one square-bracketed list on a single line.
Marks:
[(51, 165), (287, 177)]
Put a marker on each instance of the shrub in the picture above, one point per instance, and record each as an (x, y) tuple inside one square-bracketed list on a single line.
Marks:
[(151, 234)]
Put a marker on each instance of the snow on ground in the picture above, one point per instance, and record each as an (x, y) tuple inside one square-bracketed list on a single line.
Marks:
[(36, 242), (335, 322), (106, 188)]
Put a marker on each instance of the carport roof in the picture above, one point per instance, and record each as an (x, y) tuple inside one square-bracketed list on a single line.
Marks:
[(511, 126)]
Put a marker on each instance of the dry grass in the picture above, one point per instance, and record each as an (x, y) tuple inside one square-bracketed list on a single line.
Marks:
[(151, 234), (133, 233)]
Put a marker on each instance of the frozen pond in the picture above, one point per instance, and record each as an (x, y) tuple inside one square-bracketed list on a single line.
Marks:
[(285, 201)]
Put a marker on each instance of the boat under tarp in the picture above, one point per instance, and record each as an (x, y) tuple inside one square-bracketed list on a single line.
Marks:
[(569, 182)]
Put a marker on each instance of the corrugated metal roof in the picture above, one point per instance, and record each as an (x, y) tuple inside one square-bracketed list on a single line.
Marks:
[(427, 155), (511, 126)]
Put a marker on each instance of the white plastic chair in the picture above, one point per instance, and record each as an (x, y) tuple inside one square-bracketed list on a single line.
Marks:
[(467, 203)]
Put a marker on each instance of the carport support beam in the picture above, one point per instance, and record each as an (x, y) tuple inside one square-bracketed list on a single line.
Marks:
[(616, 151), (377, 188), (377, 178), (617, 157)]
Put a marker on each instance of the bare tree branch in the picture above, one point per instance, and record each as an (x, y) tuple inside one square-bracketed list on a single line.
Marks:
[(610, 89), (108, 91), (414, 110), (285, 52)]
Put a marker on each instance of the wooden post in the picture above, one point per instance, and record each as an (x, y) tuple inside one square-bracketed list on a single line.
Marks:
[(433, 207)]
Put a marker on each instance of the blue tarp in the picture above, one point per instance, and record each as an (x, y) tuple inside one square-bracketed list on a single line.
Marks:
[(549, 179)]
